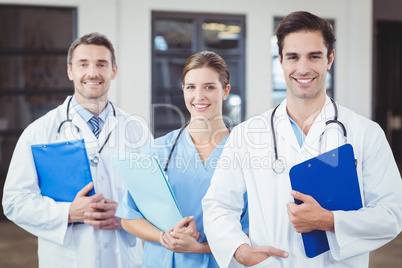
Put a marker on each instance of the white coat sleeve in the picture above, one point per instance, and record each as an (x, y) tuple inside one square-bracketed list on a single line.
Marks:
[(222, 208), (22, 201), (380, 219)]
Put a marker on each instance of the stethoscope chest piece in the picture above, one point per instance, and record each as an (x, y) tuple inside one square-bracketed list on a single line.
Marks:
[(94, 160), (278, 166)]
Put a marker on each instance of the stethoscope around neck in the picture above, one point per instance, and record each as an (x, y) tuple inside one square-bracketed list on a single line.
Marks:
[(93, 159), (175, 143), (279, 164)]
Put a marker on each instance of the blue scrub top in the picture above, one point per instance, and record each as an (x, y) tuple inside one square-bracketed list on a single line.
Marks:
[(190, 180)]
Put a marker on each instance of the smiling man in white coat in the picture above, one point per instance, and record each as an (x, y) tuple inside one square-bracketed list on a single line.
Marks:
[(84, 232), (292, 133)]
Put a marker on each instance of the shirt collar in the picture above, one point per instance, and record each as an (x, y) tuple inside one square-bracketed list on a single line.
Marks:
[(87, 115), (300, 136)]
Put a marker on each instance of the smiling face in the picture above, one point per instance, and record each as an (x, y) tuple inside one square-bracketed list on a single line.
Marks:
[(204, 94), (305, 64), (91, 71)]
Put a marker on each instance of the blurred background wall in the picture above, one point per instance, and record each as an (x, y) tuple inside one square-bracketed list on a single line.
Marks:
[(153, 39)]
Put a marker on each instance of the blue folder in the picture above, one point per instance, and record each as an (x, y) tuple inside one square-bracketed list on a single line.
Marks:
[(62, 169), (148, 186), (331, 179)]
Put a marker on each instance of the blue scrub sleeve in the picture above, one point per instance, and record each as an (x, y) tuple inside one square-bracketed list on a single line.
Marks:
[(244, 216), (127, 209)]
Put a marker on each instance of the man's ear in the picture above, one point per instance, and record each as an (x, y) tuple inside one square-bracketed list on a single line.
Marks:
[(114, 71), (280, 58), (331, 59), (69, 72)]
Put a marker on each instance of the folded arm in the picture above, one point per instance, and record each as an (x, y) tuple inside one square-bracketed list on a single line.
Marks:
[(141, 228)]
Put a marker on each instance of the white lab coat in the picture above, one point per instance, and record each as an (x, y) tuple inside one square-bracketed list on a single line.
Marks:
[(73, 245), (246, 165)]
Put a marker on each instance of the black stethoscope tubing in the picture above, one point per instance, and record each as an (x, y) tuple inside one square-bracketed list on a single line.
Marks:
[(278, 165), (94, 160), (175, 143), (67, 120)]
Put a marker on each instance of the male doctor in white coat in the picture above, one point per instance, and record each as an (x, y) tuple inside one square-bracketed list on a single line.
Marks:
[(306, 52), (63, 239)]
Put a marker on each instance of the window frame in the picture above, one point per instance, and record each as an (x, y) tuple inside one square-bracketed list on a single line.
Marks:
[(10, 135), (238, 55)]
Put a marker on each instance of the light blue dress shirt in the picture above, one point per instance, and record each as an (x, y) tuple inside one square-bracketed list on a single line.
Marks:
[(190, 179), (300, 136), (87, 115)]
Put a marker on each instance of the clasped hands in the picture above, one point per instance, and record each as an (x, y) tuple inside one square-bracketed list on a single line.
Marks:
[(183, 238), (97, 210)]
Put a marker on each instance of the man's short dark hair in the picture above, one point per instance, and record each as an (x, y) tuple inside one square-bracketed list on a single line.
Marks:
[(92, 39), (305, 21)]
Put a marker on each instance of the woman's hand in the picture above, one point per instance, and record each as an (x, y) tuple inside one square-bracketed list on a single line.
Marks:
[(186, 226), (181, 243)]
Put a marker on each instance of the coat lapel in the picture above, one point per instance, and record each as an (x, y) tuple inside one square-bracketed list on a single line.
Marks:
[(322, 137), (90, 140), (283, 127)]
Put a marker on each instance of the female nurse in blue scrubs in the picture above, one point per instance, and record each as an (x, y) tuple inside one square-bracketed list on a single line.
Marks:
[(191, 164)]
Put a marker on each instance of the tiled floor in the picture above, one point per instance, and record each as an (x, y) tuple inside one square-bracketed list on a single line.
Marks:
[(18, 250)]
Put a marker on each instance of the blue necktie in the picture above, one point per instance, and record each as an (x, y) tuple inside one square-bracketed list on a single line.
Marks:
[(95, 123)]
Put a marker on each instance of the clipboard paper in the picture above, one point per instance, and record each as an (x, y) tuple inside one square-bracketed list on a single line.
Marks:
[(331, 179), (62, 169), (147, 184)]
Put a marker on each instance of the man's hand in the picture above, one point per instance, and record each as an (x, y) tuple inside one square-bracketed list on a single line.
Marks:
[(103, 217), (81, 204), (249, 256), (309, 215)]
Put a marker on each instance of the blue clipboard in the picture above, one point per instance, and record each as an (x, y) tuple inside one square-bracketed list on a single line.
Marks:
[(148, 186), (62, 169), (331, 179)]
